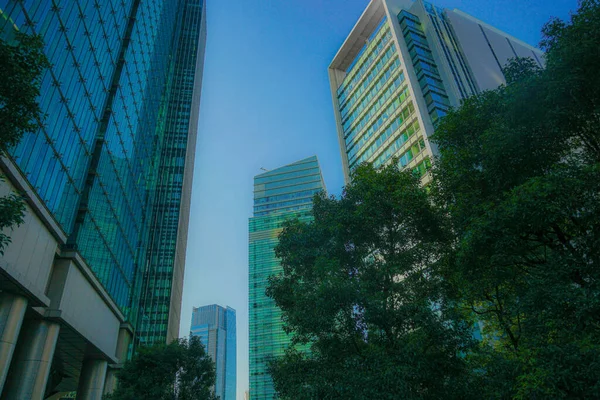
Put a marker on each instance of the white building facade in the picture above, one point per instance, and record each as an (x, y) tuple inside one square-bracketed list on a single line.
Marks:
[(401, 68)]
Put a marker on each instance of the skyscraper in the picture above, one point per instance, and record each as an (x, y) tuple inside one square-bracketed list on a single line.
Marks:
[(98, 263), (216, 328), (279, 195), (402, 66), (162, 279)]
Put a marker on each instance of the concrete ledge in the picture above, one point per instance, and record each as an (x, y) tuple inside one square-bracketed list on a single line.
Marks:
[(128, 327), (357, 38), (17, 283), (91, 278), (77, 303)]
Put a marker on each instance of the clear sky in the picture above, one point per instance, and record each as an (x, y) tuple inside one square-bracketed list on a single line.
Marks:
[(266, 103)]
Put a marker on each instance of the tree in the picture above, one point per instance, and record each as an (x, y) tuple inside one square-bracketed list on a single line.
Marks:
[(509, 241), (572, 75), (519, 179), (22, 63), (180, 370), (359, 289)]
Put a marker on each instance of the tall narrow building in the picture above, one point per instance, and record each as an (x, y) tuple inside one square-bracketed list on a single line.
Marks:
[(216, 328), (279, 195), (97, 266), (162, 276), (402, 66)]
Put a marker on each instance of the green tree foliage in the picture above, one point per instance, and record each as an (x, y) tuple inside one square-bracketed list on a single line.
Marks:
[(572, 77), (22, 63), (12, 210), (519, 179), (387, 281), (357, 288), (180, 370)]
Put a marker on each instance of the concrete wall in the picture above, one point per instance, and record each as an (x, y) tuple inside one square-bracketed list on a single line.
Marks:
[(487, 49), (60, 289), (486, 71), (28, 258), (82, 307), (31, 262)]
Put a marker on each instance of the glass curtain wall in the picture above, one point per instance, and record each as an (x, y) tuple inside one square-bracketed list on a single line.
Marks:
[(91, 160), (108, 160), (166, 193), (216, 328), (279, 195)]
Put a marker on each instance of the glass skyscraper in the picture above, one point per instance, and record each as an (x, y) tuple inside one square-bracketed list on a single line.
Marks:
[(216, 328), (162, 280), (107, 178), (279, 195), (417, 61)]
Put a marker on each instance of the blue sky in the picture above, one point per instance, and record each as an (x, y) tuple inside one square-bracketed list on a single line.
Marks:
[(266, 103)]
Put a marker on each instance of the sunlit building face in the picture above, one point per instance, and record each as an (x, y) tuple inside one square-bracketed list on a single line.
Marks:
[(402, 67)]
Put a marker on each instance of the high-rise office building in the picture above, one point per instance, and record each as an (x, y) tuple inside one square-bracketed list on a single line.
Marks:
[(403, 65), (279, 195), (98, 263), (216, 328), (162, 279)]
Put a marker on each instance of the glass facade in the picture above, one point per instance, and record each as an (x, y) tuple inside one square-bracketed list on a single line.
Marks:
[(377, 112), (166, 240), (99, 160), (279, 195), (425, 66), (216, 328)]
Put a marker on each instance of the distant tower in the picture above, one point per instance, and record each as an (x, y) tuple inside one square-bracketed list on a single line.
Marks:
[(418, 61), (279, 195), (215, 326)]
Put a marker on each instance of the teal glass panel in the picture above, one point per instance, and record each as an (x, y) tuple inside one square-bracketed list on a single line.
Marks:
[(216, 328), (279, 195)]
